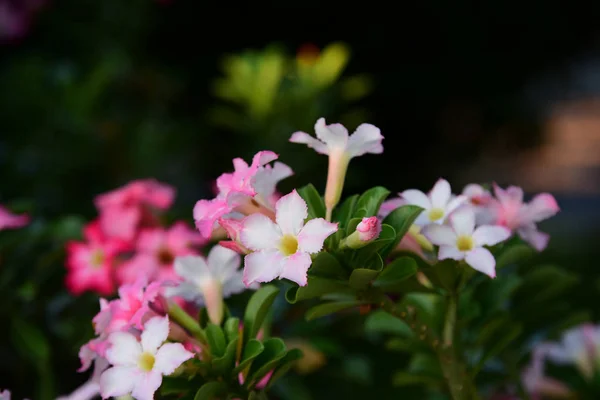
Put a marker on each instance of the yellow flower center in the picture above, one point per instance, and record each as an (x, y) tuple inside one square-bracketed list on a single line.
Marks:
[(146, 362), (435, 214), (465, 243), (97, 258), (288, 245)]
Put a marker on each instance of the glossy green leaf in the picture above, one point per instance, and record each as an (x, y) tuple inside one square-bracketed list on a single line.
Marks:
[(396, 272), (365, 255), (361, 278), (266, 361), (256, 310), (316, 287), (211, 391), (231, 329), (401, 219), (371, 200), (252, 350), (343, 213), (514, 254), (223, 365), (380, 321), (314, 201), (325, 265), (329, 308), (216, 339)]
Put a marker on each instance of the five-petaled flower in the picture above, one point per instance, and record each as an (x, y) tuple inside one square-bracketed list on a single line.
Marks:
[(282, 249), (138, 366), (460, 240), (333, 140), (437, 205)]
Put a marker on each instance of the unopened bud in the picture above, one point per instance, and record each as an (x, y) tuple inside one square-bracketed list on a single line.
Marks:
[(366, 231)]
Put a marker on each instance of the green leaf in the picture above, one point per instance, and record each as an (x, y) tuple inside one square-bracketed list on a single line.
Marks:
[(211, 391), (266, 361), (397, 271), (256, 311), (252, 350), (175, 385), (509, 333), (216, 339), (284, 366), (403, 378), (365, 255), (343, 213), (232, 329), (401, 219), (513, 254), (371, 200), (445, 273), (382, 322), (325, 265), (316, 287), (30, 341), (314, 201), (329, 308), (361, 278), (225, 364)]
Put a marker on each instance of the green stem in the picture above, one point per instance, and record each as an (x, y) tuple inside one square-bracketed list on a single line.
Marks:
[(450, 321), (188, 323)]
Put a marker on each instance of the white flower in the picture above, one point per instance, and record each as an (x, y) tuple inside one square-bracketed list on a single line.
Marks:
[(282, 249), (138, 366), (207, 281), (461, 240), (579, 346), (437, 205)]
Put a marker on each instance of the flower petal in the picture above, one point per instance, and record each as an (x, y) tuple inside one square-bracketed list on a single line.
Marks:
[(169, 357), (223, 262), (207, 212), (489, 235), (303, 137), (295, 268), (365, 139), (417, 198), (440, 235), (463, 221), (440, 194), (452, 252), (146, 385), (262, 266), (156, 331), (291, 211), (124, 349), (456, 202), (482, 260), (314, 233), (512, 194), (334, 135), (118, 381), (541, 207), (259, 233), (538, 240), (191, 268)]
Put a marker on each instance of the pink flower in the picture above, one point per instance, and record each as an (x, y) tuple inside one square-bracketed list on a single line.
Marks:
[(90, 263), (437, 205), (482, 202), (123, 209), (390, 205), (233, 227), (130, 308), (138, 366), (522, 217), (535, 381), (249, 189), (9, 220), (333, 140), (579, 346), (366, 231), (282, 249), (260, 384), (461, 240), (157, 249)]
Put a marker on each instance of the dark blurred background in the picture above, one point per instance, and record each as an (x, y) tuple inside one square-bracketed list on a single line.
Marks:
[(96, 93)]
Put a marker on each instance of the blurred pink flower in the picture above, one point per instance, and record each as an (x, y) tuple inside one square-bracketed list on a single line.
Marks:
[(9, 220), (157, 249), (90, 263), (123, 210)]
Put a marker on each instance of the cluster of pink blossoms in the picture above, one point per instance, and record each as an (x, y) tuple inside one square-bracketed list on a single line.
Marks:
[(461, 225), (127, 241)]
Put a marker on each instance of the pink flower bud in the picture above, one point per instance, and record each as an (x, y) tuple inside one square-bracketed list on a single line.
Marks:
[(369, 229)]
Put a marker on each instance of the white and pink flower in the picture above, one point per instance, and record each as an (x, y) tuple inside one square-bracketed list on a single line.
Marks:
[(334, 141), (138, 366), (521, 217), (9, 220), (437, 205), (247, 190), (462, 241), (282, 249)]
